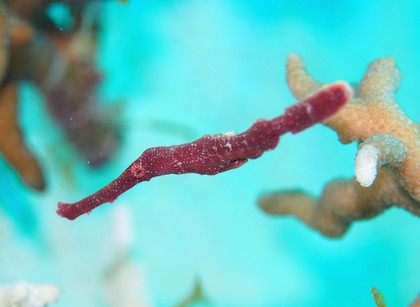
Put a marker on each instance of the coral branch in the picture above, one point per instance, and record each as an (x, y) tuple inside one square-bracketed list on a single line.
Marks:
[(12, 141), (342, 202), (387, 163), (416, 302), (372, 111), (61, 63), (213, 154)]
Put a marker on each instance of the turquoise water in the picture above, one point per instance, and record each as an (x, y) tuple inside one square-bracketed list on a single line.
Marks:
[(182, 69)]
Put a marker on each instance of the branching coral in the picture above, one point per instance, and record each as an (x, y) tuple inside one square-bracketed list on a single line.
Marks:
[(12, 144), (13, 34), (60, 62), (66, 61), (213, 154), (387, 163)]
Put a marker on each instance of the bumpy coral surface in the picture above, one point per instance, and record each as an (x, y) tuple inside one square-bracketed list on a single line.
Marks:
[(374, 119)]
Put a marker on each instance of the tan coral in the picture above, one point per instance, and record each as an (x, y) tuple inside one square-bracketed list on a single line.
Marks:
[(373, 118), (12, 145), (13, 32), (416, 302), (341, 203), (372, 110)]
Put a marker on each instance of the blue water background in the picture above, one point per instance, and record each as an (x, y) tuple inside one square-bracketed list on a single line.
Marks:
[(182, 69)]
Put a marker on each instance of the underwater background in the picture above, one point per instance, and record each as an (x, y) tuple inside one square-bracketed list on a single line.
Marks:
[(174, 71)]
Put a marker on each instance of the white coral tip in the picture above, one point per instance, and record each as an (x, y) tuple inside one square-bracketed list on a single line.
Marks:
[(367, 164)]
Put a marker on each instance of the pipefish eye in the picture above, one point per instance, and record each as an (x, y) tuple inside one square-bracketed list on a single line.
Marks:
[(137, 170)]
